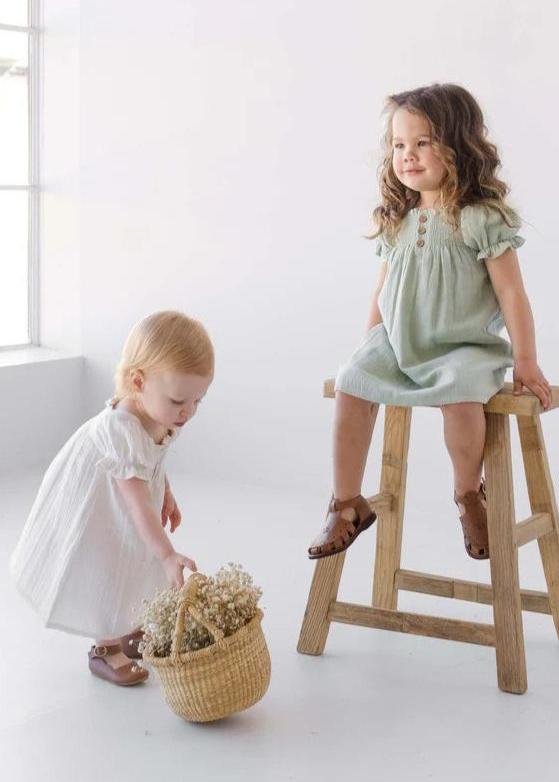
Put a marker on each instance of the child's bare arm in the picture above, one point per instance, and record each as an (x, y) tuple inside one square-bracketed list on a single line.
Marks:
[(137, 497), (170, 510), (374, 313), (506, 278)]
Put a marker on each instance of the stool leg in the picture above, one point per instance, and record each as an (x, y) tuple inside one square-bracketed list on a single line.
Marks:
[(542, 500), (323, 591), (511, 661), (397, 422)]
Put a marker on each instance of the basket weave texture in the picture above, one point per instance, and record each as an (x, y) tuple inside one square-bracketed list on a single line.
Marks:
[(212, 683)]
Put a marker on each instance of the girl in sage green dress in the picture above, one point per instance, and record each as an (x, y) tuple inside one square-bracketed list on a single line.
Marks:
[(449, 281)]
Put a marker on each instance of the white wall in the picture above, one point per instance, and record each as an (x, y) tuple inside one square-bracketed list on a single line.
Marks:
[(41, 405), (228, 155), (228, 168)]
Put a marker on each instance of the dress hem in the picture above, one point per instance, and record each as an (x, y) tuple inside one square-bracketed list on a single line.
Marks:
[(45, 621), (353, 381)]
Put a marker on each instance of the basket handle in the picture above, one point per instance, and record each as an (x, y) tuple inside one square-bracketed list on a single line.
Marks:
[(188, 604)]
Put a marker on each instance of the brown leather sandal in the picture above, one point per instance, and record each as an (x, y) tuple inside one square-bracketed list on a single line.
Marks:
[(129, 644), (125, 675), (339, 533), (474, 521)]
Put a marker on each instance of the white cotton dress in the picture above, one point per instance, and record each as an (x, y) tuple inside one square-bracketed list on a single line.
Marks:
[(80, 561)]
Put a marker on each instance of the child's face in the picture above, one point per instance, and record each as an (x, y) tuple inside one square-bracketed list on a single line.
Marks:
[(171, 398), (413, 159)]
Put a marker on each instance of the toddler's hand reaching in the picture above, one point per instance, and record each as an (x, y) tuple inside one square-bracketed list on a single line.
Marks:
[(173, 565), (170, 508), (527, 373)]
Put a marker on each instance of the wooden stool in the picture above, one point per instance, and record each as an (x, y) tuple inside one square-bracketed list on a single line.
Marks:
[(505, 536)]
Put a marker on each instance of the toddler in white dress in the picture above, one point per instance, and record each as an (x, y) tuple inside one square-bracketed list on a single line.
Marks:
[(94, 543)]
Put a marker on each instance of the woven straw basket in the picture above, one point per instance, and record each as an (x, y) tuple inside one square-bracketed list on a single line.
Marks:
[(211, 683)]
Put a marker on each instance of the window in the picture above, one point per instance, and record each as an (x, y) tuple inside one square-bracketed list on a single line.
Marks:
[(19, 185)]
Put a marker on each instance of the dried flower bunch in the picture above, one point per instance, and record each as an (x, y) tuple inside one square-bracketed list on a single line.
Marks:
[(228, 600)]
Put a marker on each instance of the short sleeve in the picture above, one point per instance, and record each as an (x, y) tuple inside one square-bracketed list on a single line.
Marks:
[(124, 451), (382, 248), (485, 230)]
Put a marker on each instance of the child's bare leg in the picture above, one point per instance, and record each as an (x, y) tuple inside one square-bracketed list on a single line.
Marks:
[(464, 434), (354, 422)]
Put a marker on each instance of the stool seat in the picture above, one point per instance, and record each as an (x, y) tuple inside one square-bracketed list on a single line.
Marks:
[(505, 402), (506, 535)]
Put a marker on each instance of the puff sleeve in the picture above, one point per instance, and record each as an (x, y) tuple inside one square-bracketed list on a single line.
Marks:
[(485, 231), (382, 248), (124, 451)]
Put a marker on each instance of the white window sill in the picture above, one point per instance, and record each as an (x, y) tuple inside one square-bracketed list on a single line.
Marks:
[(33, 354)]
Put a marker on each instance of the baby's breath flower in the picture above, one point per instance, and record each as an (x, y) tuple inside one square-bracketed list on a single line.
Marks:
[(228, 600)]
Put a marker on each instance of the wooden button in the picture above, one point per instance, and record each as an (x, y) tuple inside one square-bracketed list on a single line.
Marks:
[(422, 218), (421, 230), (420, 242)]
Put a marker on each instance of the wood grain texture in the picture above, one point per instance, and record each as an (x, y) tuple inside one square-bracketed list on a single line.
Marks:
[(532, 528), (323, 591), (507, 614), (471, 591), (397, 423), (416, 624), (542, 500)]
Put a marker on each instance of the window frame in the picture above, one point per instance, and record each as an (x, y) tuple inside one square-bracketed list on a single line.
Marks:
[(32, 30)]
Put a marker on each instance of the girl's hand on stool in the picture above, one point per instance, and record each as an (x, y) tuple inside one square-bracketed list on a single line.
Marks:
[(170, 508), (173, 565), (527, 373)]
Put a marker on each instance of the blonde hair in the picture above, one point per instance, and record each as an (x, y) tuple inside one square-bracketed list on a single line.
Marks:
[(459, 139), (167, 340)]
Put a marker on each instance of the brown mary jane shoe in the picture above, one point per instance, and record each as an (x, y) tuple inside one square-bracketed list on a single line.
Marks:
[(125, 675), (129, 644)]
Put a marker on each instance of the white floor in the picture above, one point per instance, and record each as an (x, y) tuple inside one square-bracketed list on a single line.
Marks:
[(375, 705)]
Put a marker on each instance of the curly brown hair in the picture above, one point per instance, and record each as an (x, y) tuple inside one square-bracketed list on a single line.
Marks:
[(459, 139)]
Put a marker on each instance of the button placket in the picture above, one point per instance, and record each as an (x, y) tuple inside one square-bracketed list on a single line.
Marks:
[(421, 230)]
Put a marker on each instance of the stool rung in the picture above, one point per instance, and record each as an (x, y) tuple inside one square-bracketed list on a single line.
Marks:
[(532, 528), (381, 501), (328, 388), (415, 624), (472, 591)]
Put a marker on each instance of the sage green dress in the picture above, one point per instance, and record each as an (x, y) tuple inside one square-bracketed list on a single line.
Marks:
[(439, 341)]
